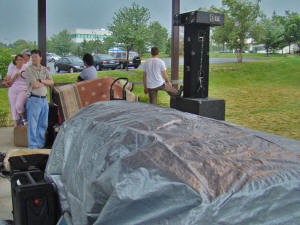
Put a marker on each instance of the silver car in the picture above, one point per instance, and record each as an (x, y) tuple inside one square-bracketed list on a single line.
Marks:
[(52, 57)]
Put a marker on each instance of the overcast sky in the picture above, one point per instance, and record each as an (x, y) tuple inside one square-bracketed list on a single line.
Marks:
[(18, 18)]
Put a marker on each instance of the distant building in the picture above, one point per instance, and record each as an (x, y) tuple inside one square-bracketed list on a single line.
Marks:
[(292, 49), (115, 49), (252, 46), (79, 35)]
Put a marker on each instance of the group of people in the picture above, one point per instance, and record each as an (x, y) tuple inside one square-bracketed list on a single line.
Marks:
[(155, 77), (27, 83), (27, 89)]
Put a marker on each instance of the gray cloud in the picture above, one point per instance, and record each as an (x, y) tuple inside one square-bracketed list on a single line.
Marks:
[(18, 18)]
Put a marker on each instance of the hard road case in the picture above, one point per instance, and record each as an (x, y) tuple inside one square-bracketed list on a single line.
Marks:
[(34, 199)]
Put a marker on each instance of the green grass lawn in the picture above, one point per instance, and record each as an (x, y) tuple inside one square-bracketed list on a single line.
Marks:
[(161, 55), (226, 55), (247, 55), (263, 95)]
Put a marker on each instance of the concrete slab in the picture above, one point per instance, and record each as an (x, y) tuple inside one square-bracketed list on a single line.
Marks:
[(6, 139), (6, 143), (5, 199)]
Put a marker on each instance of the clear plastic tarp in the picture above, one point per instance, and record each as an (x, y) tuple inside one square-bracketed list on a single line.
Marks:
[(121, 162)]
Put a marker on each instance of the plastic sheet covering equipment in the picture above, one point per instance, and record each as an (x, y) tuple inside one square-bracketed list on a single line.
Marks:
[(121, 162)]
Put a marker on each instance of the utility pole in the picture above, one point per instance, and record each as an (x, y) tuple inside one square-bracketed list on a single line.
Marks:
[(175, 42), (42, 30)]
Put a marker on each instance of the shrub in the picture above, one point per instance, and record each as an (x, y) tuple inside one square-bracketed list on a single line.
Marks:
[(5, 59)]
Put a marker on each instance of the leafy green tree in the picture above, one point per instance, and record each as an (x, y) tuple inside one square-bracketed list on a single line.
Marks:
[(21, 44), (243, 14), (62, 43), (272, 34), (108, 42), (87, 47), (141, 47), (99, 47), (292, 28), (130, 27), (28, 45), (91, 47), (17, 43), (49, 45), (158, 36), (5, 59), (288, 38), (221, 33), (77, 50), (168, 47)]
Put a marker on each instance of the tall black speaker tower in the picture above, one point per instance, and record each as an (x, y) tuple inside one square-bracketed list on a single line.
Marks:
[(196, 65), (196, 61)]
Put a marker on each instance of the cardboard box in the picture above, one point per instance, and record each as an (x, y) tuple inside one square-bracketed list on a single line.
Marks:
[(20, 136)]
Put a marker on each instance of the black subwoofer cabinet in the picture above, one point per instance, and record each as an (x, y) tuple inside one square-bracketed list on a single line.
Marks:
[(34, 199)]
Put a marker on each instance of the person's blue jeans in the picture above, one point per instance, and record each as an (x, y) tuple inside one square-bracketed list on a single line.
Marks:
[(37, 117)]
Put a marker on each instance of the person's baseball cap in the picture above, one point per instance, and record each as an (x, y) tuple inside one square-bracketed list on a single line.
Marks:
[(26, 51)]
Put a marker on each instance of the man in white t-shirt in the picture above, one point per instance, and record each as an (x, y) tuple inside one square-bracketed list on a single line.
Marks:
[(155, 77)]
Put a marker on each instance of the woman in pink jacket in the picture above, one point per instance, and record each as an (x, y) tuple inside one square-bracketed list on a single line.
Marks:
[(17, 91)]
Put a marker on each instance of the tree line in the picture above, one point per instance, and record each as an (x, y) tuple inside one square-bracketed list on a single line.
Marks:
[(132, 30), (244, 19)]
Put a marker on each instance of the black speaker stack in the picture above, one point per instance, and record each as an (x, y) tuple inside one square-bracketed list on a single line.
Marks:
[(196, 65)]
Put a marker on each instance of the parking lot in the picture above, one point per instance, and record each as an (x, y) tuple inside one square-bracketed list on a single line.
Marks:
[(168, 62)]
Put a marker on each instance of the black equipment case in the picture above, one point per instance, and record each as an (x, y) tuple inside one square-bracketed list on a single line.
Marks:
[(34, 199)]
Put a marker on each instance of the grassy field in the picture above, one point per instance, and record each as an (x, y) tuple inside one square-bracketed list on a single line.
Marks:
[(248, 55), (226, 55), (263, 95), (161, 55)]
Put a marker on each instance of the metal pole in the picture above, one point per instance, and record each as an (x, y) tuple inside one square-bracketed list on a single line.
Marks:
[(175, 42), (42, 30)]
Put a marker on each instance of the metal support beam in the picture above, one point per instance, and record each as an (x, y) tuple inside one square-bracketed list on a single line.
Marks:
[(175, 41), (42, 30)]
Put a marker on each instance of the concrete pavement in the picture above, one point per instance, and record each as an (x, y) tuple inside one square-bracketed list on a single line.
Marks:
[(6, 143)]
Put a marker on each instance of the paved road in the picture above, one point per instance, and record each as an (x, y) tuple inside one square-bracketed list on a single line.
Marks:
[(211, 60), (181, 61)]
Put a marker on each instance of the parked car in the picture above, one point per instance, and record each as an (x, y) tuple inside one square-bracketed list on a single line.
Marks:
[(52, 57), (105, 61), (70, 63), (134, 59)]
